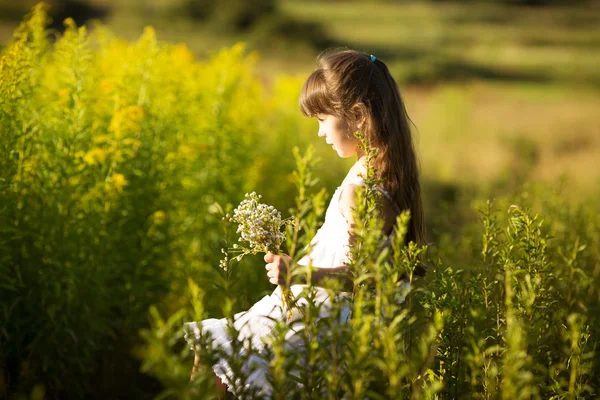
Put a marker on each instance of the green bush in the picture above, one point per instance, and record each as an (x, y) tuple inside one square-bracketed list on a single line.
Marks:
[(115, 161)]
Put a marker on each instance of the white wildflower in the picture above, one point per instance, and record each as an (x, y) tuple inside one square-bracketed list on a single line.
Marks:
[(258, 224), (224, 263)]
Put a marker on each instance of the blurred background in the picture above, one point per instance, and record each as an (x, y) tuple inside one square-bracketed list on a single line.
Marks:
[(502, 93), (490, 85)]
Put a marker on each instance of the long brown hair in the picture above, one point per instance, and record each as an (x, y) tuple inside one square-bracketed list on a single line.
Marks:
[(359, 89)]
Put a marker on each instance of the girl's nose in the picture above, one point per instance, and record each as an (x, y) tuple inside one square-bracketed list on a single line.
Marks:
[(321, 133)]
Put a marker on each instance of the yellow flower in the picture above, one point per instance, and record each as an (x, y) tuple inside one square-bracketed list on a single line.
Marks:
[(126, 120), (182, 53), (186, 152), (102, 139), (74, 180), (95, 156), (118, 181), (132, 141), (159, 217), (64, 94), (135, 113), (106, 86)]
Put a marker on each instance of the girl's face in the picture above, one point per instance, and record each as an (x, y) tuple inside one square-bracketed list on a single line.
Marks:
[(336, 134)]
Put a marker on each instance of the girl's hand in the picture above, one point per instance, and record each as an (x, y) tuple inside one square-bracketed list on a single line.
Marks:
[(277, 267)]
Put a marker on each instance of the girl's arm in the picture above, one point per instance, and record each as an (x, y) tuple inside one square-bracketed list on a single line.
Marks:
[(346, 203), (278, 264), (341, 274)]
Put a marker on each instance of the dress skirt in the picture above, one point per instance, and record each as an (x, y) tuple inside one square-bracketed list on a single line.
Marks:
[(255, 325)]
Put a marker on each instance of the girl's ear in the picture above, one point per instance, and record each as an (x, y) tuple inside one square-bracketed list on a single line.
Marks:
[(359, 112)]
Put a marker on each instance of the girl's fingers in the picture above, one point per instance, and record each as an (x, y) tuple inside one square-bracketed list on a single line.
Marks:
[(272, 277), (270, 266), (272, 274)]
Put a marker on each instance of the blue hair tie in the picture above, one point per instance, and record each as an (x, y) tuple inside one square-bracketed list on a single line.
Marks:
[(373, 58)]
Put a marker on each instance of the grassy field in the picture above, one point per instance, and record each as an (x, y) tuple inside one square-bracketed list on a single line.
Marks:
[(465, 41), (420, 40), (489, 87), (480, 132)]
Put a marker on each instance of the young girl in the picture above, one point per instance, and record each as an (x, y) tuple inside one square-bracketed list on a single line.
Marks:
[(349, 91)]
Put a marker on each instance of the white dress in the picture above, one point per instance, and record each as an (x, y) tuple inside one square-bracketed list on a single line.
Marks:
[(330, 249)]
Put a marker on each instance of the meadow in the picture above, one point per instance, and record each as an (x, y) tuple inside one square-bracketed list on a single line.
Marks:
[(119, 157)]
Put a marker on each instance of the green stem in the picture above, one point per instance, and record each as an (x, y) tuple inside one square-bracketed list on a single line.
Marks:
[(287, 298)]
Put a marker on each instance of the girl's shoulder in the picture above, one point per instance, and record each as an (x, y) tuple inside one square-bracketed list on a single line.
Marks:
[(347, 193), (354, 176), (356, 181)]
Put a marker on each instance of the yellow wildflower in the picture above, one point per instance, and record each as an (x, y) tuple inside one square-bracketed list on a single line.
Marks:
[(118, 181), (64, 94), (186, 152), (95, 156), (102, 139), (126, 120), (182, 53), (106, 86), (135, 113), (159, 217), (132, 141)]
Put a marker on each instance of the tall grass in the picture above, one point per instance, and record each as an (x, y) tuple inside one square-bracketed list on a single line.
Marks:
[(513, 320)]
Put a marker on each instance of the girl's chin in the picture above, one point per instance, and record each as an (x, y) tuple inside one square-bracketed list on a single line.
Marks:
[(344, 154)]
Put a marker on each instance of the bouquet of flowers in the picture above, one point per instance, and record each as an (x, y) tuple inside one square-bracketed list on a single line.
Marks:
[(259, 225)]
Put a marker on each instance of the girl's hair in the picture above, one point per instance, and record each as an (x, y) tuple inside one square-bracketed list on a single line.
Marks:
[(347, 84)]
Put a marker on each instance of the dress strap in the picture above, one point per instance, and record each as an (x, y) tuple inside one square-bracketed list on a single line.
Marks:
[(361, 182)]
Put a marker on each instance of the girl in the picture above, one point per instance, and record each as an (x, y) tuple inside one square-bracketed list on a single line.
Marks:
[(349, 91)]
